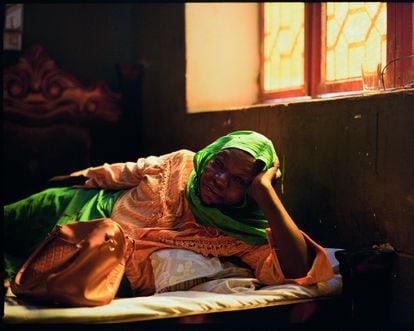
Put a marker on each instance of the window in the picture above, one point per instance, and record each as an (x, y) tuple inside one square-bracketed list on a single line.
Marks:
[(315, 49), (283, 47)]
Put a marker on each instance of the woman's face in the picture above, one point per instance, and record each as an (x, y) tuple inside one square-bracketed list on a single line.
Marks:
[(227, 176)]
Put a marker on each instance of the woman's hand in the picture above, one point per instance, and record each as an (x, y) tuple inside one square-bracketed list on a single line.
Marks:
[(66, 180), (263, 182)]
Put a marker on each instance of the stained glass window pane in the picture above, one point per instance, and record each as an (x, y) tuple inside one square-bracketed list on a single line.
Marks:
[(355, 32), (283, 45)]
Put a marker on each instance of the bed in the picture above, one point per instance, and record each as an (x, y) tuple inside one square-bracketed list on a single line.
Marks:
[(49, 120), (219, 298)]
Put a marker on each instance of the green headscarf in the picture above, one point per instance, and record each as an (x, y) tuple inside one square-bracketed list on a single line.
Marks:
[(246, 221)]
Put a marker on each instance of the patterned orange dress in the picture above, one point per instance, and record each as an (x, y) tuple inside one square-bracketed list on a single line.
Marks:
[(154, 212)]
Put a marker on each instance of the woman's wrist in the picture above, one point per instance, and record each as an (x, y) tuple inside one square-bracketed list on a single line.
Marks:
[(260, 189), (262, 183)]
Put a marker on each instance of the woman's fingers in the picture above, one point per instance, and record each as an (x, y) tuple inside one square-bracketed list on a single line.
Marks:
[(277, 166)]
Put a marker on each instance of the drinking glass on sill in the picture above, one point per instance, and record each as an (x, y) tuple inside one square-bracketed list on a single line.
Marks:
[(371, 77)]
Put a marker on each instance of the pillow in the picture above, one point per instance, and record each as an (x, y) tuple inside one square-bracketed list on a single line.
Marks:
[(180, 269), (332, 259), (229, 285)]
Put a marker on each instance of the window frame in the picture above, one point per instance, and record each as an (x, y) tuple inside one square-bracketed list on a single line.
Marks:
[(399, 43)]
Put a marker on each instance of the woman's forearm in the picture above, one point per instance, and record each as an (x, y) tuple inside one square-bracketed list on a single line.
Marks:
[(291, 247), (290, 244)]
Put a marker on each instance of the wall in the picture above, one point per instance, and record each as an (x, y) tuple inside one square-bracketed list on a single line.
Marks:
[(222, 59), (348, 163), (88, 40)]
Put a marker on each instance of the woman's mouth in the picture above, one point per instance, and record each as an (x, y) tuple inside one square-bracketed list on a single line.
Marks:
[(211, 195)]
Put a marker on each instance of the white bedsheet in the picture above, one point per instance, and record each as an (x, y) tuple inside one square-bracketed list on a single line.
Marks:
[(233, 294)]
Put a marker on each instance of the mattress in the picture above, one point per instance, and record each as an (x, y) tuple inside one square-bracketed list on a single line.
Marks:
[(218, 295)]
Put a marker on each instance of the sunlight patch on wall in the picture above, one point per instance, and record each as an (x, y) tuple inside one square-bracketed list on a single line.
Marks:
[(222, 55)]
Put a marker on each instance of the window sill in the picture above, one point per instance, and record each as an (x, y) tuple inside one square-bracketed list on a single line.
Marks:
[(307, 99), (333, 96)]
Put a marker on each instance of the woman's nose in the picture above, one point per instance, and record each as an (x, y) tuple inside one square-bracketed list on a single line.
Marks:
[(221, 178)]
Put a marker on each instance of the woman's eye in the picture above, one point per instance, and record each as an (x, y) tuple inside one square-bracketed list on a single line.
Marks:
[(240, 181), (218, 163)]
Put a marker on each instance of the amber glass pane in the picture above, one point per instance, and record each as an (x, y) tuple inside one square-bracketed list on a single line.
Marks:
[(283, 45), (355, 33)]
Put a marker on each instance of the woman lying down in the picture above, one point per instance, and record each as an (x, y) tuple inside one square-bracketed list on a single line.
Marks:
[(218, 202)]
